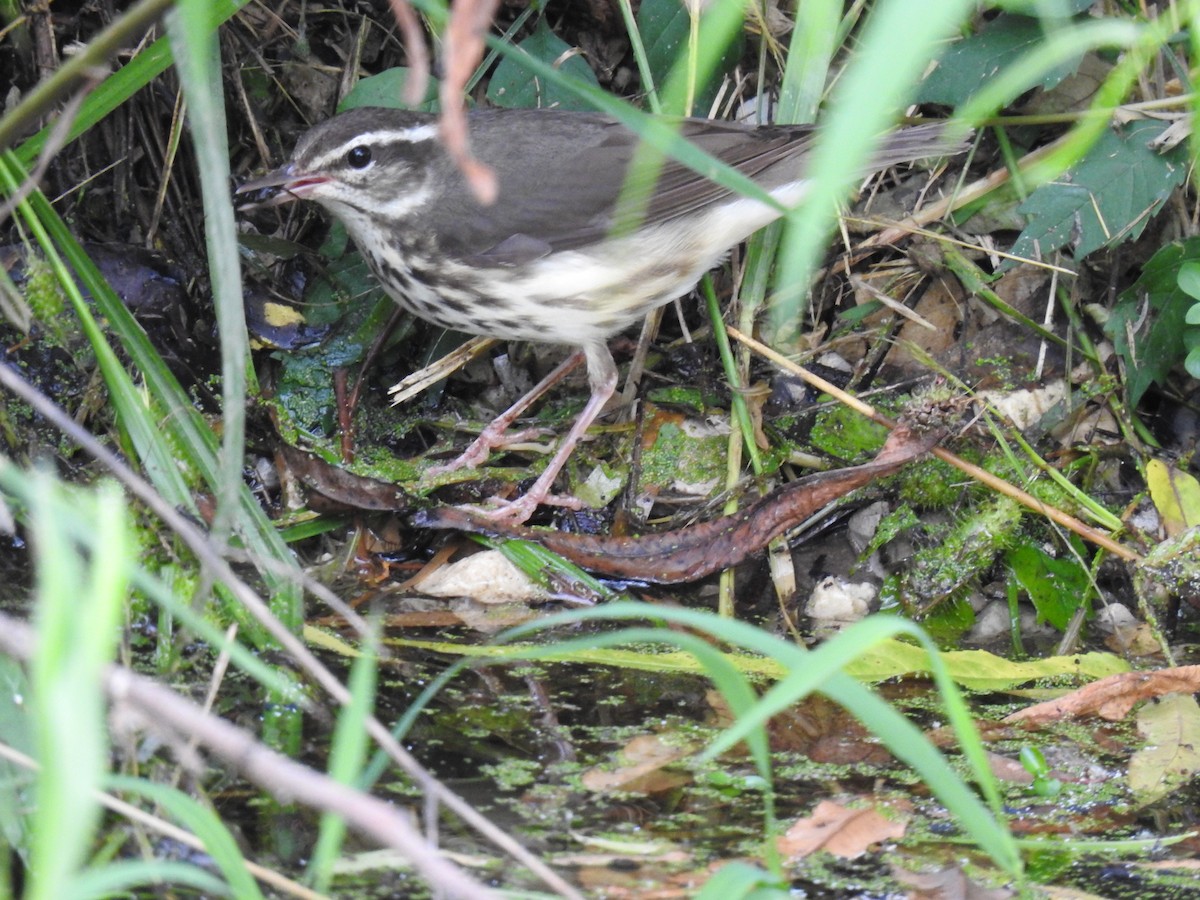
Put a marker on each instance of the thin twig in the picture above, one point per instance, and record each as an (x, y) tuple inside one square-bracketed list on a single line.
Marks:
[(462, 50)]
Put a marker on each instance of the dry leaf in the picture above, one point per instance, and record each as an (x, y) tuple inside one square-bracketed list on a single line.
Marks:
[(641, 765), (946, 884), (486, 577), (1112, 697), (1138, 640), (841, 831)]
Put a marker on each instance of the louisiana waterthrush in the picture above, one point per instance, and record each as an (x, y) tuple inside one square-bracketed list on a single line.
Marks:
[(554, 258)]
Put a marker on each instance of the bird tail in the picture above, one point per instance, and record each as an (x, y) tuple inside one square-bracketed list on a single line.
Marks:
[(919, 142)]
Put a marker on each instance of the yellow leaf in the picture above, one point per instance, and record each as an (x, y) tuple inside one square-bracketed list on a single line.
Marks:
[(1171, 757), (1176, 496)]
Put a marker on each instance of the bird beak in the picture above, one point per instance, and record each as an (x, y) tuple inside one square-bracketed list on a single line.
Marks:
[(291, 185)]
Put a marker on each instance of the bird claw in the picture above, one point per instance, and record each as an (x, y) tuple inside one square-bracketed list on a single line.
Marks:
[(483, 446), (516, 512)]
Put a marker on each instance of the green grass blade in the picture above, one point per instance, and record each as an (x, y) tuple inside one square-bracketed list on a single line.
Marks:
[(78, 604), (810, 55), (346, 757), (16, 485), (171, 430), (199, 66), (122, 878), (204, 824), (895, 44)]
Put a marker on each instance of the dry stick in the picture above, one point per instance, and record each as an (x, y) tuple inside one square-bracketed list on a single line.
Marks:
[(161, 707), (197, 541), (438, 370), (171, 831), (998, 484)]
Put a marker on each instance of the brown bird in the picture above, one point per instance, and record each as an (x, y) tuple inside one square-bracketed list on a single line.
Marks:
[(559, 257)]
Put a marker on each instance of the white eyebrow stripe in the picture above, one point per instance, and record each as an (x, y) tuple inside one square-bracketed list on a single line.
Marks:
[(415, 135)]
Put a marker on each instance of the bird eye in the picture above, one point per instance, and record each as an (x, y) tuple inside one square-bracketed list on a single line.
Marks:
[(359, 157)]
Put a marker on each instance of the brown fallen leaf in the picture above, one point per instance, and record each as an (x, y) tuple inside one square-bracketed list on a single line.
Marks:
[(1138, 639), (653, 882), (641, 766), (815, 727), (1112, 697), (946, 884), (1008, 770), (333, 488), (844, 832)]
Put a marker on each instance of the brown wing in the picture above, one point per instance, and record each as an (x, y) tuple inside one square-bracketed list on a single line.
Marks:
[(560, 174)]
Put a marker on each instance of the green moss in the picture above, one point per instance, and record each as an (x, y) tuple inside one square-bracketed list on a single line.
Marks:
[(948, 569), (43, 292), (1003, 370), (1030, 480), (843, 433), (682, 453), (688, 398), (931, 484)]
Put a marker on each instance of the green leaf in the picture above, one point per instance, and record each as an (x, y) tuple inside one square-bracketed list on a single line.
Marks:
[(1189, 281), (1149, 324), (665, 27), (1056, 586), (1107, 198), (972, 62), (387, 89), (1192, 361), (516, 87), (1176, 496)]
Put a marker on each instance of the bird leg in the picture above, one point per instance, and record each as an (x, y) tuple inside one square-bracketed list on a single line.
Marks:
[(494, 436), (602, 377)]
